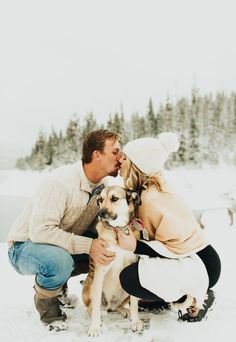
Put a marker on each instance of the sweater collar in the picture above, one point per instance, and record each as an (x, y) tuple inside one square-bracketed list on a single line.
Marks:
[(86, 185)]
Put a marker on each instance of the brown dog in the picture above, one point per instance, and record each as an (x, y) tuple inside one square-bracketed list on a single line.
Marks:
[(102, 285)]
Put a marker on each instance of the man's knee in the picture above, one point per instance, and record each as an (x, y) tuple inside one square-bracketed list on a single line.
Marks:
[(57, 270), (62, 265)]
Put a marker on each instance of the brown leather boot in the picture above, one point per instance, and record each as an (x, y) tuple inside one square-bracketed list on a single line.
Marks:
[(48, 306)]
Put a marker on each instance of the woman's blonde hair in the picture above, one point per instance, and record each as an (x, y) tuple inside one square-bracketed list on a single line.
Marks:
[(137, 180)]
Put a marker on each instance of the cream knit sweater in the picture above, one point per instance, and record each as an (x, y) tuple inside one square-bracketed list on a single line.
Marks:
[(54, 209), (167, 219)]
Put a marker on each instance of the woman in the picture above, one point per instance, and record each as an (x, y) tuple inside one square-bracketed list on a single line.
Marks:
[(176, 260)]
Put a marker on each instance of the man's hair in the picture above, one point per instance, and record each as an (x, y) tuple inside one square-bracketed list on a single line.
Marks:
[(95, 140)]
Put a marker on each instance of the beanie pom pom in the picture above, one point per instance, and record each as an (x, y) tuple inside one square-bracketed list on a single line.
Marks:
[(169, 141)]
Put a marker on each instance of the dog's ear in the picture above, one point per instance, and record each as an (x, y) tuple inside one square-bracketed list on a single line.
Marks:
[(98, 197), (97, 191), (132, 195)]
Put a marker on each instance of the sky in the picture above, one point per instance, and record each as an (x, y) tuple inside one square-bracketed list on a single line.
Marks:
[(60, 57), (20, 320)]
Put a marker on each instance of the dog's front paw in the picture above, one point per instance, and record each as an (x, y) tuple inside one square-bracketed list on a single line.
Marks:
[(94, 331), (137, 326)]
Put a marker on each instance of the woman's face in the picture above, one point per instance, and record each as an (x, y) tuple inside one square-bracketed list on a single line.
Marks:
[(123, 164)]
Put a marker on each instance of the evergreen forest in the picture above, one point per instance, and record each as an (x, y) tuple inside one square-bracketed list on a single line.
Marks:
[(206, 126)]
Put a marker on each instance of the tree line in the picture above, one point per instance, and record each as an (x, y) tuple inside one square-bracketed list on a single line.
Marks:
[(206, 126)]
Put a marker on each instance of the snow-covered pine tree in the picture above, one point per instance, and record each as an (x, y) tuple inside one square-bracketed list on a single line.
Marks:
[(160, 119), (151, 120), (231, 136), (117, 123), (213, 128), (37, 159), (181, 111), (138, 127), (89, 125), (193, 146), (72, 140)]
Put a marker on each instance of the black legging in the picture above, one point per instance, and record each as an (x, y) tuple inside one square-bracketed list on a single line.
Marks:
[(211, 260), (129, 277), (129, 280)]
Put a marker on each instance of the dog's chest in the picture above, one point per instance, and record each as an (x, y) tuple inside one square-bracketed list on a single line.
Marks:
[(113, 294), (123, 258)]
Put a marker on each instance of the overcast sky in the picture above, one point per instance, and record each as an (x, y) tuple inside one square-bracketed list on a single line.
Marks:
[(59, 57)]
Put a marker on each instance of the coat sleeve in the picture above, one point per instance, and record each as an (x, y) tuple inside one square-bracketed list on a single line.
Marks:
[(143, 248), (49, 206)]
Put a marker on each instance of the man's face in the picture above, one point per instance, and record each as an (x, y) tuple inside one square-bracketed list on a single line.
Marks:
[(110, 158)]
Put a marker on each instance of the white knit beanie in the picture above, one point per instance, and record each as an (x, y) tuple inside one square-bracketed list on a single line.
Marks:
[(150, 154)]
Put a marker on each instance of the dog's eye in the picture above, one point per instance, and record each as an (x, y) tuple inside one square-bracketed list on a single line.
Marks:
[(100, 200), (114, 198)]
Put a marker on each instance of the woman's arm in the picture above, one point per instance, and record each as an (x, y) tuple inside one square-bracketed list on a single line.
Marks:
[(130, 243)]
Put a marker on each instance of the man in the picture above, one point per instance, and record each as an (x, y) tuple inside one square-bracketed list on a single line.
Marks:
[(50, 239)]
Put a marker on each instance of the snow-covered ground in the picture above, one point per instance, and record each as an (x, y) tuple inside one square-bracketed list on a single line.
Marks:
[(202, 189)]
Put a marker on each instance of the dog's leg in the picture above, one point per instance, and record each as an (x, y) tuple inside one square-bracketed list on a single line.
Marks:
[(124, 311), (136, 323), (96, 297)]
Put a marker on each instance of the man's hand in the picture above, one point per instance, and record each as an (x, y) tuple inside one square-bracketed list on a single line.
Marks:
[(125, 241), (99, 252)]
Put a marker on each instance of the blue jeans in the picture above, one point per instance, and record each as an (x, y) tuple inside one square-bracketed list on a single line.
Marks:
[(51, 264)]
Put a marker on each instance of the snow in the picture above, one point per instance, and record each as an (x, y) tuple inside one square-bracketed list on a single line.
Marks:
[(202, 189)]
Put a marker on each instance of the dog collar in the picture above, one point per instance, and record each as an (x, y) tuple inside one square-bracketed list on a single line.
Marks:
[(135, 222), (124, 229)]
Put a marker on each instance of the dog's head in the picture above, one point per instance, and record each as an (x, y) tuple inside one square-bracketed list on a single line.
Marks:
[(117, 205)]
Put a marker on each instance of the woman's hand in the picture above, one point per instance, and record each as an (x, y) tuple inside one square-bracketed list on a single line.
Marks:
[(126, 241)]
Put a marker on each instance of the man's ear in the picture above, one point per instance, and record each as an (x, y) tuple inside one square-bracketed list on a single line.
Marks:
[(132, 195), (96, 154)]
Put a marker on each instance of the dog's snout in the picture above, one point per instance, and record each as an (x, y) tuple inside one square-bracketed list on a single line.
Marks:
[(105, 215), (102, 213)]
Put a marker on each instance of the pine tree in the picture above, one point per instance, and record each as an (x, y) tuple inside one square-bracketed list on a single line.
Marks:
[(117, 124), (72, 134), (51, 148), (182, 151), (231, 131), (151, 120), (160, 120), (167, 120), (138, 127), (124, 127), (181, 127), (194, 146), (90, 124), (37, 160)]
